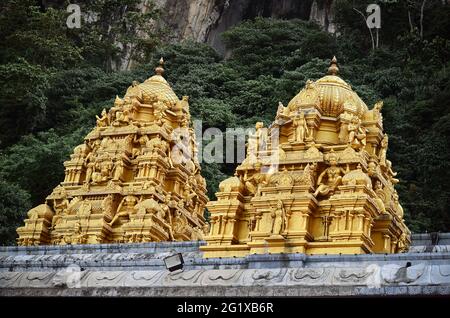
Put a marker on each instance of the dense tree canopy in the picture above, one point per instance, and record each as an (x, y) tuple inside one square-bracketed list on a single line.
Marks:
[(53, 81)]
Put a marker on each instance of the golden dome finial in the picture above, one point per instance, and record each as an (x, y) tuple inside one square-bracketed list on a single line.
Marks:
[(333, 69), (159, 70)]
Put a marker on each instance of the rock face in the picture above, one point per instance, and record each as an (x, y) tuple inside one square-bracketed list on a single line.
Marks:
[(205, 20)]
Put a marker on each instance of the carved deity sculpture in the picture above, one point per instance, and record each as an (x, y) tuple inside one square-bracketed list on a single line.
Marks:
[(206, 229), (380, 196), (383, 150), (119, 167), (397, 206), (188, 194), (143, 142), (301, 128), (391, 173), (402, 244), (333, 174), (103, 121), (279, 219), (255, 181), (356, 133), (90, 166), (377, 110), (179, 222), (102, 170), (125, 208), (260, 137), (309, 174), (185, 108), (107, 206), (85, 209), (281, 110), (60, 210)]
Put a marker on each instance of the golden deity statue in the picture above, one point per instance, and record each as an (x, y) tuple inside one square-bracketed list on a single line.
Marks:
[(123, 183), (322, 185)]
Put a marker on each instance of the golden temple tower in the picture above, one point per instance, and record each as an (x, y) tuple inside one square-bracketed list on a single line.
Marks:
[(316, 181), (136, 178)]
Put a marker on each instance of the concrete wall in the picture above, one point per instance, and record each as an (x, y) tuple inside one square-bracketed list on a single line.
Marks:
[(138, 270)]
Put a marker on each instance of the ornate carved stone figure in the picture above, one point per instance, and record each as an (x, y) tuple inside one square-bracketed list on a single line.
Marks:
[(193, 145), (309, 174), (197, 234), (333, 175), (391, 174), (301, 128), (185, 108), (90, 166), (108, 206), (279, 219), (372, 168), (380, 196), (106, 143), (356, 133), (377, 110), (63, 203), (383, 150), (119, 167), (121, 118), (260, 137), (206, 229), (398, 208), (159, 112), (85, 209), (94, 145), (82, 150), (143, 142), (188, 194), (103, 121), (77, 236), (281, 110), (256, 180), (60, 211), (102, 170), (125, 208), (179, 222)]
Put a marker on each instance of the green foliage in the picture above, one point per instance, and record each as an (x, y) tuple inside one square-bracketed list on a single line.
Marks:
[(117, 28), (14, 203), (37, 158), (262, 46), (23, 107), (39, 37)]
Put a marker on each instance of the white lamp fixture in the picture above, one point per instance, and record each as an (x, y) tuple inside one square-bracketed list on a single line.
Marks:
[(174, 262)]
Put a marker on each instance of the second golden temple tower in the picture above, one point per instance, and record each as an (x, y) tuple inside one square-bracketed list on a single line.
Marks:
[(316, 181)]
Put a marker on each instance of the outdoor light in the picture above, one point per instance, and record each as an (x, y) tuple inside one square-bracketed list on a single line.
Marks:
[(174, 262)]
